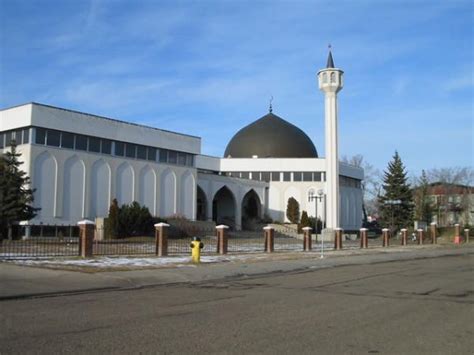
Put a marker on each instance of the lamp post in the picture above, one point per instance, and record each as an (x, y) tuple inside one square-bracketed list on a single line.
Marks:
[(392, 203), (317, 198)]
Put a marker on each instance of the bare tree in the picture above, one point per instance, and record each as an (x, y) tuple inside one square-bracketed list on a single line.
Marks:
[(371, 185)]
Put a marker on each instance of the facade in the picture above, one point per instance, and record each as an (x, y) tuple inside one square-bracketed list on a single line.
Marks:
[(451, 203), (79, 162)]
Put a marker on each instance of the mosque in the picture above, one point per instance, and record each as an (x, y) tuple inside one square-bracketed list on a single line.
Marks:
[(79, 162)]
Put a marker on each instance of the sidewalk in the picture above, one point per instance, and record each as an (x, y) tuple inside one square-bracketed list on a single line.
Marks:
[(19, 282)]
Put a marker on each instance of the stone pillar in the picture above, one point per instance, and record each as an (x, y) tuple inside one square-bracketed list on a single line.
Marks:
[(268, 233), (420, 236), (221, 232), (86, 238), (385, 237), (307, 243), (466, 235), (404, 236), (161, 239), (338, 239), (364, 243), (433, 233)]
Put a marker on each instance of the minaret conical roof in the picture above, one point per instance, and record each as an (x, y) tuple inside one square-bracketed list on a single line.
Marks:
[(330, 63)]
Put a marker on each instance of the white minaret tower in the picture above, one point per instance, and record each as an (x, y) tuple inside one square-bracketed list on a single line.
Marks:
[(330, 82)]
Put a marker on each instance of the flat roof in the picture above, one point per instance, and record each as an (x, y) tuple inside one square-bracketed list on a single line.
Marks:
[(100, 117)]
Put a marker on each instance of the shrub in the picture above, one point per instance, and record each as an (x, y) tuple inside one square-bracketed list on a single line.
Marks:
[(293, 210)]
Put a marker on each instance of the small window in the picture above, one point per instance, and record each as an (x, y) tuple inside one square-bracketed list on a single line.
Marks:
[(266, 176), (189, 160), (119, 149), (286, 176), (26, 136), (307, 176), (130, 150), (141, 152), (297, 176), (19, 136), (40, 134), (235, 174), (151, 155), (325, 78), (67, 140), (276, 176), (182, 158), (317, 176), (8, 138), (255, 175), (244, 175), (1, 140), (81, 142), (106, 147), (94, 144), (53, 138), (163, 156), (172, 157)]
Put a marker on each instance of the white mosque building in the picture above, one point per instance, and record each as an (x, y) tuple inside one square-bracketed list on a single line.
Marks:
[(79, 162)]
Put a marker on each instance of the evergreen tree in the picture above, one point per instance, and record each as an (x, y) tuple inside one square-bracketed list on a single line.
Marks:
[(293, 210), (423, 208), (113, 219), (396, 202), (16, 197)]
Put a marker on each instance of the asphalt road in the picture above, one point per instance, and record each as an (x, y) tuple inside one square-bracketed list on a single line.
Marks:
[(401, 307)]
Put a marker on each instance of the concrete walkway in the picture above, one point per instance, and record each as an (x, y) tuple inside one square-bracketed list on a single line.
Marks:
[(25, 281)]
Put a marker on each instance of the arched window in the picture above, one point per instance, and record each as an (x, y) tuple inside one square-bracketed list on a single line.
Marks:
[(333, 77), (325, 78)]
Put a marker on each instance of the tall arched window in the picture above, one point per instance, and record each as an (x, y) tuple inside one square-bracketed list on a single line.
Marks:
[(333, 77)]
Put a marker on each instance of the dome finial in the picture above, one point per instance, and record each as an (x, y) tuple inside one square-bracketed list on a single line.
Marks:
[(330, 62), (270, 109)]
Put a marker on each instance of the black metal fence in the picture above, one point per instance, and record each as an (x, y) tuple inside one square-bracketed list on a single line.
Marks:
[(39, 247), (51, 243)]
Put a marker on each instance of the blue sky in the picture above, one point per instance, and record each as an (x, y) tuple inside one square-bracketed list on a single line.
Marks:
[(208, 68)]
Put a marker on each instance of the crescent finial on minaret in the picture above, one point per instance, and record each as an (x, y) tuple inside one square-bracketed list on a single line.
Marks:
[(270, 109)]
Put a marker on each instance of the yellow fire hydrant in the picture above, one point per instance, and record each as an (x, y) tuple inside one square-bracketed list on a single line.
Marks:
[(196, 246)]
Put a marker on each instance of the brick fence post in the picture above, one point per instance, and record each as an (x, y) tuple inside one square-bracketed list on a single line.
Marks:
[(457, 234), (433, 233), (338, 239), (221, 231), (364, 242), (466, 235), (404, 236), (161, 239), (307, 242), (385, 237), (269, 234), (421, 235), (86, 238)]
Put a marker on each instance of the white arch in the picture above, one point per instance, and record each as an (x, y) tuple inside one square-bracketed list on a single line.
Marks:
[(147, 188), (168, 193), (100, 189), (188, 195), (73, 189), (45, 182), (125, 184)]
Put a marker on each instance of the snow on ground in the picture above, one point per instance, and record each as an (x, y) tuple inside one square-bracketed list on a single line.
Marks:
[(121, 262)]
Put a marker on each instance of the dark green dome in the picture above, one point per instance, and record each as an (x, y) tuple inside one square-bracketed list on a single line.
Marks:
[(270, 137)]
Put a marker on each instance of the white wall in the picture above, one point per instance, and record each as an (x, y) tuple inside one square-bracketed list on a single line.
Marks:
[(73, 185)]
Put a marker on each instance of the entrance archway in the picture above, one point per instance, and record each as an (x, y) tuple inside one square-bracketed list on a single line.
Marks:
[(201, 204), (251, 210), (223, 207)]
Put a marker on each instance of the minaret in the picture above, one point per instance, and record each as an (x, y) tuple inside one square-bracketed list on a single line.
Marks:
[(330, 82)]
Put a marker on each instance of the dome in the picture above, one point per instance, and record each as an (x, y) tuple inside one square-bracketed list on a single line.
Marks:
[(270, 137)]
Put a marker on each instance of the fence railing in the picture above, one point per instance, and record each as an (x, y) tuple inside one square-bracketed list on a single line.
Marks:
[(237, 243)]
